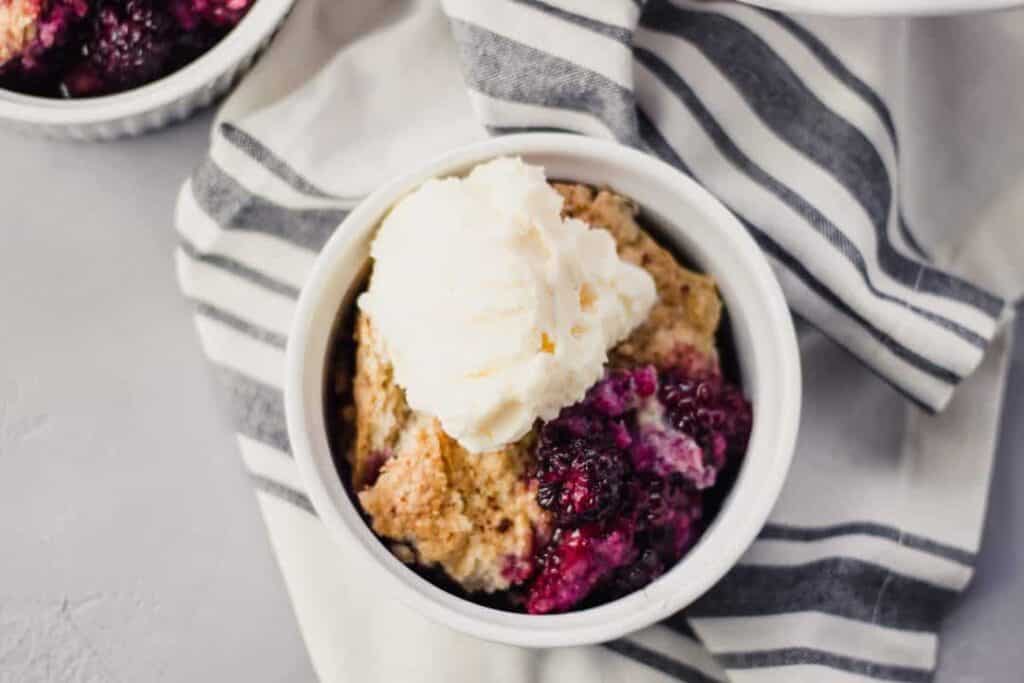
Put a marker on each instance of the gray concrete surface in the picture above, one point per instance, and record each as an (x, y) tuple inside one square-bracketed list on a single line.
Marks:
[(131, 547)]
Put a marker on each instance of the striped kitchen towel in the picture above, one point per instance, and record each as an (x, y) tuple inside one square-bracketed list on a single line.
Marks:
[(863, 155)]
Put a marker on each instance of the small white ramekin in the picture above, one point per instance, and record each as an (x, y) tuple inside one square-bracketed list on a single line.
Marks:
[(696, 224), (157, 104)]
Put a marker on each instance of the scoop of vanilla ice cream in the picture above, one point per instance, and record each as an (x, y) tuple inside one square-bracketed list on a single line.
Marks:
[(494, 310)]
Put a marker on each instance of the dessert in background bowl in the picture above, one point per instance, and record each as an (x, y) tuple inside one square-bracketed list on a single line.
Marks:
[(95, 69), (87, 48), (526, 414)]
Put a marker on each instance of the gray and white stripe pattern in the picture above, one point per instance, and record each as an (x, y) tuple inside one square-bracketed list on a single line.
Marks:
[(805, 152), (768, 118)]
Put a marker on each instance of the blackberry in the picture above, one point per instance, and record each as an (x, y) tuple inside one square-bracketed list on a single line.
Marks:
[(712, 411), (130, 45), (581, 465), (640, 573), (588, 489), (666, 515), (623, 471), (575, 562), (223, 13), (623, 390)]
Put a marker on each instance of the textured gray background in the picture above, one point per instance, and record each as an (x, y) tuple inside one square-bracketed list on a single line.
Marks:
[(131, 547)]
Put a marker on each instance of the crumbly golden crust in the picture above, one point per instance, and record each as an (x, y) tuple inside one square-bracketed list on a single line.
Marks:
[(381, 410), (18, 25), (476, 515), (688, 309), (472, 513)]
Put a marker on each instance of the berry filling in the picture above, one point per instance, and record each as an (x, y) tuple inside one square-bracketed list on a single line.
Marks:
[(623, 473), (85, 48)]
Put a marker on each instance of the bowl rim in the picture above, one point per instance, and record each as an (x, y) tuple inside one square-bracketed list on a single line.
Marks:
[(262, 18), (879, 8), (727, 537)]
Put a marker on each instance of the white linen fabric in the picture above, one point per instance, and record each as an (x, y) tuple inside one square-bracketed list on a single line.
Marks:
[(877, 163)]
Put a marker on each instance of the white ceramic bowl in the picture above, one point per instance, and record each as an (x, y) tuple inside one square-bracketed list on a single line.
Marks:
[(697, 225), (886, 7), (157, 104)]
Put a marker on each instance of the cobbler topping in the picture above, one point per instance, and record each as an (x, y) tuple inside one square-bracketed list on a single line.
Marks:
[(84, 48), (18, 26), (622, 474), (473, 515), (381, 413)]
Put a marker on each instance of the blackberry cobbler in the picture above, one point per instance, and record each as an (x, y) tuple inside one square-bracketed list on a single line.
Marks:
[(85, 48), (590, 504)]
